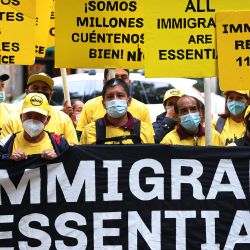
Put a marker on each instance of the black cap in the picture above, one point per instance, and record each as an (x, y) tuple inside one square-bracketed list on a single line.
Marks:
[(4, 77)]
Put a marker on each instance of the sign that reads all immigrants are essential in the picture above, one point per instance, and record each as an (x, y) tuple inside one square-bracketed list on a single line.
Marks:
[(99, 34), (180, 36)]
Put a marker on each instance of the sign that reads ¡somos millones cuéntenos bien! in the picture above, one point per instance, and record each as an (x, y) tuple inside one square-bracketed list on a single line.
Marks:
[(99, 34), (180, 36), (233, 46)]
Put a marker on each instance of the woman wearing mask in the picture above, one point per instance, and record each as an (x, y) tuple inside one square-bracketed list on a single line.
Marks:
[(33, 139), (245, 140), (231, 124), (117, 126)]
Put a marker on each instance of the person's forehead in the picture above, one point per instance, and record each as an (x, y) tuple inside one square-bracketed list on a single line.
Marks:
[(186, 102), (172, 99), (235, 94), (116, 88), (34, 114), (121, 72)]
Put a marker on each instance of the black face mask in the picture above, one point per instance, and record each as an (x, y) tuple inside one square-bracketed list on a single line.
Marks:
[(46, 94)]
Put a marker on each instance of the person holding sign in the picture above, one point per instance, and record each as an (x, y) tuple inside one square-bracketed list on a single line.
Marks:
[(33, 139), (5, 109), (59, 122), (166, 121), (117, 126), (231, 124), (93, 109), (189, 130)]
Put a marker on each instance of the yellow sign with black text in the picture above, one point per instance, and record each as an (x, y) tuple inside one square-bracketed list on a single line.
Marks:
[(17, 29), (99, 34), (233, 46), (180, 36)]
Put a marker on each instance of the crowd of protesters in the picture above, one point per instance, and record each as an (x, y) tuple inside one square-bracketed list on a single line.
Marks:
[(113, 118)]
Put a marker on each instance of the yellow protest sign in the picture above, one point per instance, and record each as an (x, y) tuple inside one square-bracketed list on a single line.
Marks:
[(17, 29), (180, 36), (51, 32), (99, 34), (233, 45), (42, 26)]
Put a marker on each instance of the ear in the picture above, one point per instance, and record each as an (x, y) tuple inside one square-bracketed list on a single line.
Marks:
[(26, 91), (103, 103), (129, 101), (47, 120)]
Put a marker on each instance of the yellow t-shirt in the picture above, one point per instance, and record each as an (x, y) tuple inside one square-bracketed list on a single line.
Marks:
[(89, 134), (232, 130), (173, 138), (31, 148), (59, 123), (93, 110), (5, 111)]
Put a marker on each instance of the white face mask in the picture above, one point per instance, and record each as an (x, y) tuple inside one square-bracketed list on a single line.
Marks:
[(2, 96), (78, 117), (33, 127)]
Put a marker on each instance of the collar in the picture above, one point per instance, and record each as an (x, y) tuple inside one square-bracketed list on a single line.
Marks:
[(184, 135), (128, 126)]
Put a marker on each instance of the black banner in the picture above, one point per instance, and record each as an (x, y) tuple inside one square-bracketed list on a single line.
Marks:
[(128, 197)]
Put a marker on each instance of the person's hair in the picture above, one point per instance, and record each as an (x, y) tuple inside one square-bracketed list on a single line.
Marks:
[(198, 103), (106, 71), (115, 82)]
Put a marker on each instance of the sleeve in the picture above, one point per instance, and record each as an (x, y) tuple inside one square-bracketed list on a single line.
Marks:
[(84, 117), (7, 128), (69, 131), (88, 134), (146, 135), (161, 128)]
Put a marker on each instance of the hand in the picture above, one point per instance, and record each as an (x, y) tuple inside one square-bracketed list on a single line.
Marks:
[(18, 156), (67, 108), (49, 154), (171, 113)]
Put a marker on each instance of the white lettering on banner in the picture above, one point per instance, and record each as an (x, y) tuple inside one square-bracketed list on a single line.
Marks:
[(16, 194), (112, 193), (6, 234), (63, 230), (177, 179), (136, 225), (242, 218), (157, 182), (84, 180), (210, 217), (34, 233), (226, 166), (100, 232), (180, 217), (84, 174)]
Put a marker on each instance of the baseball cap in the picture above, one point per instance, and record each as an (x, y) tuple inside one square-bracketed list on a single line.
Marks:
[(43, 78), (247, 112), (243, 92), (172, 92), (36, 102), (4, 77)]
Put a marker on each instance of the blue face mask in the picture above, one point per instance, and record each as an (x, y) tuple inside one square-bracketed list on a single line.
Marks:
[(2, 96), (116, 108), (190, 121), (236, 108)]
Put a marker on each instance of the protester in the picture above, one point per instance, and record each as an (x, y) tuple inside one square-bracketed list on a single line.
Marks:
[(74, 111), (231, 124), (5, 109), (245, 140), (59, 122), (189, 130), (35, 115), (166, 121), (93, 109), (118, 126)]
